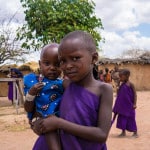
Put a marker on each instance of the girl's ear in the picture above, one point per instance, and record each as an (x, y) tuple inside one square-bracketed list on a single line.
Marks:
[(94, 57)]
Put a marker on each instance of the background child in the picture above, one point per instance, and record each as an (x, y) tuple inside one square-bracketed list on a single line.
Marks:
[(14, 73), (125, 104), (115, 78), (86, 106), (101, 75), (45, 90), (107, 76)]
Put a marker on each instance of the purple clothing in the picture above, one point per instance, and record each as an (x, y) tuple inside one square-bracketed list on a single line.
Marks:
[(124, 101), (124, 108), (79, 106), (40, 144), (126, 123), (10, 91)]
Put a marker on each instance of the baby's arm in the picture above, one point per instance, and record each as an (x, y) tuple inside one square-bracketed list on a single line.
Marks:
[(30, 96)]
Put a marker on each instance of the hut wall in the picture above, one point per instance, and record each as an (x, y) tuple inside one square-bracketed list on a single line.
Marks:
[(3, 86)]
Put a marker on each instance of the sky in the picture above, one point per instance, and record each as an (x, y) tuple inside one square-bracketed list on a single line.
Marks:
[(126, 23)]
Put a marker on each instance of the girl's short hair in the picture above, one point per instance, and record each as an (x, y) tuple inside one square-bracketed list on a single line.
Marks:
[(86, 38)]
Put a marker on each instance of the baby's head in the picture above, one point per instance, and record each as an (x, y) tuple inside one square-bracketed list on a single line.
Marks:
[(77, 53), (49, 63)]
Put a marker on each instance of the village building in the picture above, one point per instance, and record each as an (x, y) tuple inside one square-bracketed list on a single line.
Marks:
[(139, 68)]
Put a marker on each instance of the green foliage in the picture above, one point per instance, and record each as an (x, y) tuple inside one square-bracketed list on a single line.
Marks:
[(49, 20)]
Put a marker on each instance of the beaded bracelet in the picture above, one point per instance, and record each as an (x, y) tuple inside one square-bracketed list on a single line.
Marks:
[(29, 97)]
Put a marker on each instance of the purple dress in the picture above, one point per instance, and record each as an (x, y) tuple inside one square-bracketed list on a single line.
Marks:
[(124, 108), (79, 106), (10, 91)]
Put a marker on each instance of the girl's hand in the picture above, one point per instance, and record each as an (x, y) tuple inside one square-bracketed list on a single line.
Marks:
[(35, 89), (49, 124)]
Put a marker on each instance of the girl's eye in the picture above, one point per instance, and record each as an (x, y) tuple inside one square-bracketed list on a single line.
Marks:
[(75, 58), (46, 63)]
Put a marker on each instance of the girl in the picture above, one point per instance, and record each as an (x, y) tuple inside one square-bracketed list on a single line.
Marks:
[(86, 106), (125, 105)]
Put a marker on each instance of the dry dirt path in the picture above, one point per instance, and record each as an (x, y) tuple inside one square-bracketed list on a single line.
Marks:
[(15, 133)]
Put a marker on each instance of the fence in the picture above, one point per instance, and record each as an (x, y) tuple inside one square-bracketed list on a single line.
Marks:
[(18, 96)]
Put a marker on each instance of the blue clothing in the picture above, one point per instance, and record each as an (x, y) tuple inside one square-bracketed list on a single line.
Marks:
[(48, 100)]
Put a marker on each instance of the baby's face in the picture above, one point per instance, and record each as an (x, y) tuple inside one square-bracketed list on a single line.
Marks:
[(49, 64)]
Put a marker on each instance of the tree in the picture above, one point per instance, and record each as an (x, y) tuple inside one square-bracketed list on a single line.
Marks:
[(49, 20), (10, 48)]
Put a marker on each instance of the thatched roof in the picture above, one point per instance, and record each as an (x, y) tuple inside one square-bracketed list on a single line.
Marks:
[(143, 59), (30, 66), (6, 68)]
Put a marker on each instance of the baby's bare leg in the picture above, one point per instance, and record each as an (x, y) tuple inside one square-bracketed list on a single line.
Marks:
[(53, 141)]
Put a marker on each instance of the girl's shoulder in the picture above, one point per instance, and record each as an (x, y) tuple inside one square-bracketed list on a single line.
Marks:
[(102, 88), (103, 85)]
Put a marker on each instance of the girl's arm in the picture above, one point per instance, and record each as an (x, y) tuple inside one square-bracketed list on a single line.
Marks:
[(97, 134), (135, 95)]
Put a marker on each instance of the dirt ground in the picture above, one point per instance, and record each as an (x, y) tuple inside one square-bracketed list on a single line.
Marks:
[(15, 133)]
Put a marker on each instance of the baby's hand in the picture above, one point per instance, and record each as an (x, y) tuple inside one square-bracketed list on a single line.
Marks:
[(35, 89), (36, 126)]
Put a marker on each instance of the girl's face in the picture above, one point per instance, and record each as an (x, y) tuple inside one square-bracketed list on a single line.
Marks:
[(49, 64), (75, 61)]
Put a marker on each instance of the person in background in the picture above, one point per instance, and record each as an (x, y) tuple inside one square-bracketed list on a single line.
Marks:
[(101, 75), (44, 91), (14, 73), (107, 76), (115, 78), (95, 71), (86, 105), (125, 105)]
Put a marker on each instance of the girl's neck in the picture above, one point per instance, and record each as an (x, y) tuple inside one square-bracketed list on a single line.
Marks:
[(86, 82)]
